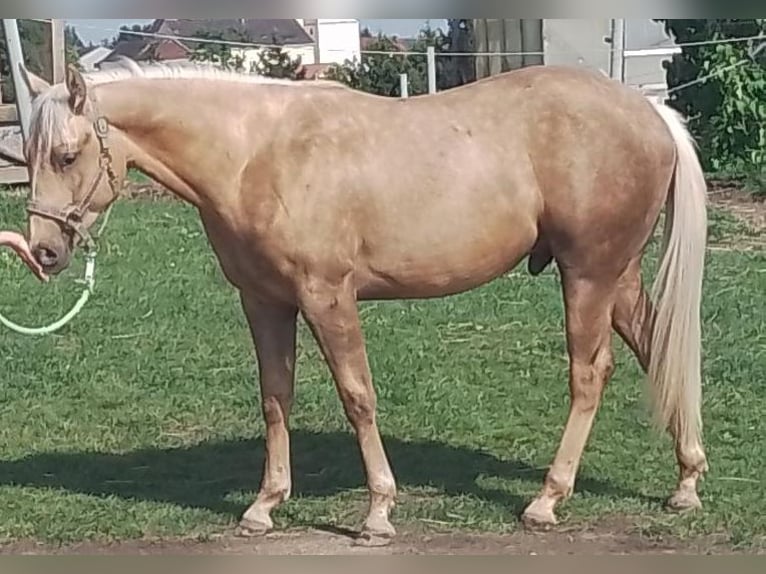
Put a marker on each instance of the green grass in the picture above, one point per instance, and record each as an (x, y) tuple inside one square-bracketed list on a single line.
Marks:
[(135, 176), (142, 418)]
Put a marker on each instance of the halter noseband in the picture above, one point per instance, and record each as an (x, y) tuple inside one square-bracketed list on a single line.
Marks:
[(71, 216)]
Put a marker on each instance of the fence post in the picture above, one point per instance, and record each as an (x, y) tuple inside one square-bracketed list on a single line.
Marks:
[(404, 87), (58, 51), (617, 54), (532, 44), (15, 60), (431, 70)]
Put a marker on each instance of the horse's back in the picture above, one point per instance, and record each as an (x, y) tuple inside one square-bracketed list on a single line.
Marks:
[(450, 190)]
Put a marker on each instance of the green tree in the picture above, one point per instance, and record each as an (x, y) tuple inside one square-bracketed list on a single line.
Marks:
[(274, 62), (73, 45), (378, 73), (125, 34), (722, 90), (218, 53)]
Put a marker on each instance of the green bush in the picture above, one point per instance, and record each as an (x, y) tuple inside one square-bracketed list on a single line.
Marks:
[(726, 111), (379, 73)]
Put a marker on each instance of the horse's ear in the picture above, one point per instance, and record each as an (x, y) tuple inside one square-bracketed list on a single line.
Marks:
[(78, 92), (35, 84)]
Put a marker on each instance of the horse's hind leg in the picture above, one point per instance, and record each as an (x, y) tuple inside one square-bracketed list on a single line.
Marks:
[(589, 303), (634, 320), (634, 314)]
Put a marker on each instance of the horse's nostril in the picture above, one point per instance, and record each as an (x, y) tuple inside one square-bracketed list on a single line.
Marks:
[(45, 256)]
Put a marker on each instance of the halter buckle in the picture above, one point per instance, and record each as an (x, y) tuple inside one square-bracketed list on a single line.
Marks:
[(101, 126)]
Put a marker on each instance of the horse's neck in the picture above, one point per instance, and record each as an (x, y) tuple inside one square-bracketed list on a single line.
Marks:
[(183, 134)]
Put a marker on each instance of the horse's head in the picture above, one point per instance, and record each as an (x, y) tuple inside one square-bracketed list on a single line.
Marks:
[(76, 167)]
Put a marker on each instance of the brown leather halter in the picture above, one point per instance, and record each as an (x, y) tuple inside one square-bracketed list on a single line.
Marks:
[(71, 216)]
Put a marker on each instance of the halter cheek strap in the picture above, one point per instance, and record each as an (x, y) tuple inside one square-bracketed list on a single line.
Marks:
[(71, 216)]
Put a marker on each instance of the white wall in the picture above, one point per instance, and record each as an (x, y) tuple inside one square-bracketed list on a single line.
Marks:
[(644, 68), (581, 42), (577, 42), (338, 40)]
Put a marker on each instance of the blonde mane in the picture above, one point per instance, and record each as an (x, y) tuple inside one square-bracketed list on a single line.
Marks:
[(50, 121), (129, 69)]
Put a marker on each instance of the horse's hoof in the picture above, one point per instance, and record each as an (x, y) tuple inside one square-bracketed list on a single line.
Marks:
[(252, 528), (376, 533), (538, 521), (684, 501), (368, 539)]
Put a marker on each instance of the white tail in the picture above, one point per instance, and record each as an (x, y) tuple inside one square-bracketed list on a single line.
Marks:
[(674, 368)]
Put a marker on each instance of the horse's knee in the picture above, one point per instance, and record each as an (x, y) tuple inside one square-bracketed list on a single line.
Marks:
[(274, 408), (360, 405)]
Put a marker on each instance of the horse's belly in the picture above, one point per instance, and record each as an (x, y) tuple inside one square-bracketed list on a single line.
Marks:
[(444, 269)]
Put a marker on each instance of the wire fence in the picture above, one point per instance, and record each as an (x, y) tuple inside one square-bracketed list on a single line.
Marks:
[(757, 43), (260, 45)]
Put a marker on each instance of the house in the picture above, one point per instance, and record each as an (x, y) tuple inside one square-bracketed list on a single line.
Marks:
[(149, 49), (575, 42), (90, 58), (287, 33), (318, 43), (335, 39)]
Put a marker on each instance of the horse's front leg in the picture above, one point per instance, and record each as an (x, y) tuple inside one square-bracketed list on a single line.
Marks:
[(330, 309), (273, 329)]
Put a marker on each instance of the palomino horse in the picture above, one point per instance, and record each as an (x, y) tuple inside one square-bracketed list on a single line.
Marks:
[(315, 196)]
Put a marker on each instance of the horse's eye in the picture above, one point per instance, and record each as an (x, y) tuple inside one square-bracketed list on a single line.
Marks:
[(67, 159)]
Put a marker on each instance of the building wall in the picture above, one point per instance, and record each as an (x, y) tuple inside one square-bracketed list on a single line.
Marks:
[(579, 42), (644, 68), (338, 40), (496, 35)]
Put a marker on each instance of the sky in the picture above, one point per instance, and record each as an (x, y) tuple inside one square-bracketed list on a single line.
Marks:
[(97, 30)]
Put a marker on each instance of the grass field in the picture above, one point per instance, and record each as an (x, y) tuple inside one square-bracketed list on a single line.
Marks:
[(142, 418)]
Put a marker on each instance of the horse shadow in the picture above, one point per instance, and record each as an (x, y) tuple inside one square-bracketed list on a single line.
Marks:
[(206, 475)]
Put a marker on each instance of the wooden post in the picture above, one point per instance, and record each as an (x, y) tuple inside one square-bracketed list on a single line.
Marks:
[(15, 61), (617, 54), (58, 51), (404, 89), (532, 42)]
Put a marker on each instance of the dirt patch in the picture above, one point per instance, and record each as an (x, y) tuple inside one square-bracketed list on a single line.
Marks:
[(746, 207), (746, 213), (614, 539)]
